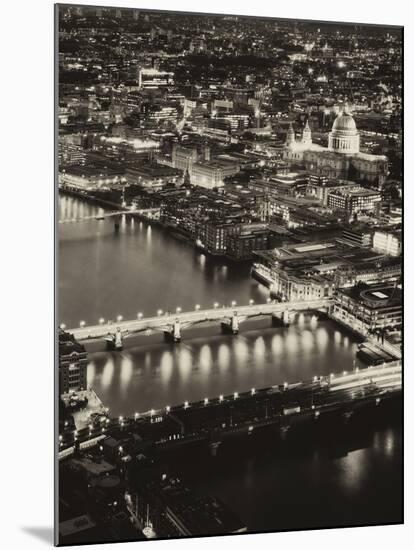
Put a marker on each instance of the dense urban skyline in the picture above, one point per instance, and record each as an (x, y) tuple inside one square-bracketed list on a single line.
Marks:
[(234, 175)]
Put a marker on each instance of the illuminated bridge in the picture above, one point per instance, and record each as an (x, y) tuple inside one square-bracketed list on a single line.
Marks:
[(335, 397), (143, 212), (171, 324)]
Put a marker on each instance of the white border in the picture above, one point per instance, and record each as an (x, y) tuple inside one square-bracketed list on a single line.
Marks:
[(26, 115)]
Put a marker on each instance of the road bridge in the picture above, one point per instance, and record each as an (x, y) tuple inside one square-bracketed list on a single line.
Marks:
[(171, 324)]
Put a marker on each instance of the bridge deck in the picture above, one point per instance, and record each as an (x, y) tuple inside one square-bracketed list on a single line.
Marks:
[(192, 317)]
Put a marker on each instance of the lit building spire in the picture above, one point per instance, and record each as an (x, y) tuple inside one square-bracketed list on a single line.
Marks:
[(290, 136), (307, 134)]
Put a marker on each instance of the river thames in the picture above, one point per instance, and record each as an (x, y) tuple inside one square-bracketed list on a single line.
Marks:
[(142, 269)]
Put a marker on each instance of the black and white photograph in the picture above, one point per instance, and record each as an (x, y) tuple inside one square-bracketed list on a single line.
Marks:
[(205, 255), (228, 274)]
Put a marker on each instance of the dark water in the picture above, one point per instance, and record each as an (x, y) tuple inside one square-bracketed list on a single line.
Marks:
[(141, 269), (356, 480), (343, 476), (206, 364)]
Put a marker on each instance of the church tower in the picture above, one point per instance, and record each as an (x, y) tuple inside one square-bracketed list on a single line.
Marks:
[(290, 136), (307, 134)]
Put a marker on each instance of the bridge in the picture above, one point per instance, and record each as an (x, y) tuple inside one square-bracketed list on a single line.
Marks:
[(171, 324), (336, 396), (143, 212)]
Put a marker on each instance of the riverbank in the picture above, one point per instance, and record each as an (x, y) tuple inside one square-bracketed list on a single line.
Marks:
[(173, 230), (91, 199)]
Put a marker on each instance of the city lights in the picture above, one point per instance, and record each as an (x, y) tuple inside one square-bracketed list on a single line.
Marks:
[(203, 160)]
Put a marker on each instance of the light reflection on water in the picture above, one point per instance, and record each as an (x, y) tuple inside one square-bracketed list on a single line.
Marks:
[(142, 269), (148, 377), (103, 273)]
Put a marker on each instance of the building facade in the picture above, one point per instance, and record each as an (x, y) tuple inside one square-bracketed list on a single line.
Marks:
[(342, 158), (73, 363), (388, 242)]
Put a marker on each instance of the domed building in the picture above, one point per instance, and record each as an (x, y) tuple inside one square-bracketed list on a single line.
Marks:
[(342, 158), (344, 137)]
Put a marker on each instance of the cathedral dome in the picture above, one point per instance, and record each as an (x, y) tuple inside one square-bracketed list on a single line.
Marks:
[(344, 137), (344, 123)]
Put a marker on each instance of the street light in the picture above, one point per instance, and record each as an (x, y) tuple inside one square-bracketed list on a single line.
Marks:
[(139, 315), (216, 305), (178, 309), (101, 321), (221, 398), (234, 303), (206, 401), (168, 408), (252, 391), (159, 312), (119, 318), (186, 405), (136, 415), (197, 307), (251, 302), (235, 395), (82, 324), (268, 300), (62, 326)]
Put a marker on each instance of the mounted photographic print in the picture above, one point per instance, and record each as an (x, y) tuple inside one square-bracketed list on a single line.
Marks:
[(228, 274)]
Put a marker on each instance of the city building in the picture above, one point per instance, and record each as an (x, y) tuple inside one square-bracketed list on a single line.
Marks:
[(153, 78), (183, 158), (91, 177), (320, 187), (342, 159), (314, 269), (211, 174), (73, 362), (152, 176), (252, 237), (213, 236), (388, 242), (354, 199), (357, 236), (368, 308)]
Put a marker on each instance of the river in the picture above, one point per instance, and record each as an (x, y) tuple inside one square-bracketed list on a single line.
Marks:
[(142, 269)]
